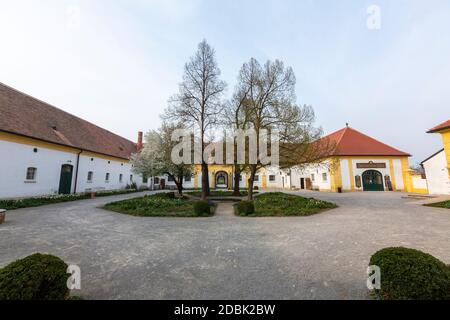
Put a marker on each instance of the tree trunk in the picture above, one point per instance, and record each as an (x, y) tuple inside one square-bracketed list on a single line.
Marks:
[(180, 186), (250, 182), (237, 178), (205, 181)]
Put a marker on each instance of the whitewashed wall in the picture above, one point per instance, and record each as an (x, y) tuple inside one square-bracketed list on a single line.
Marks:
[(437, 174), (308, 171), (15, 158)]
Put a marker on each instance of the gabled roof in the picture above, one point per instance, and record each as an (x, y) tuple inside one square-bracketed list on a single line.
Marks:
[(350, 142), (432, 156), (27, 116), (440, 127)]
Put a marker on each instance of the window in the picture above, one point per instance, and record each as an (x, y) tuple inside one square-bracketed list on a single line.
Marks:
[(144, 178), (107, 177), (131, 177), (188, 178), (31, 174), (240, 177), (313, 177), (156, 180), (90, 176), (170, 178), (120, 178), (272, 177), (324, 177), (256, 178)]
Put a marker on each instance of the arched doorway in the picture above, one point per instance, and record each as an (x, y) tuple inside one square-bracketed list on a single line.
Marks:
[(221, 180), (372, 181)]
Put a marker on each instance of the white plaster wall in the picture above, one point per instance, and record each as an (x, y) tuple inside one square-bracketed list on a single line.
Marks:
[(419, 183), (317, 170), (398, 173), (100, 167), (437, 174), (15, 158), (345, 173)]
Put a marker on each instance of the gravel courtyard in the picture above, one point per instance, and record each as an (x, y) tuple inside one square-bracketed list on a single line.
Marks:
[(324, 256)]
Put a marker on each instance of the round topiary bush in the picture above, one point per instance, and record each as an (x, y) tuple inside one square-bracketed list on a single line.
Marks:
[(245, 208), (202, 208), (36, 277), (408, 274)]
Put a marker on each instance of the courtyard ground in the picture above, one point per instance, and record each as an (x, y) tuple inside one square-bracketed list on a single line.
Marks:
[(323, 256)]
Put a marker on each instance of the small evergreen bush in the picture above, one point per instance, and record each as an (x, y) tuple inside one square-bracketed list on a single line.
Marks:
[(202, 208), (36, 277), (245, 208), (408, 274)]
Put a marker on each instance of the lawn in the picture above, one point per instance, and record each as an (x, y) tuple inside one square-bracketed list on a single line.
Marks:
[(280, 204), (157, 205), (219, 193), (444, 204)]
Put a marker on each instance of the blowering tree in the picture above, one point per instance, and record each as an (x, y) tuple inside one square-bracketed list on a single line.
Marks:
[(270, 104), (199, 101), (155, 157)]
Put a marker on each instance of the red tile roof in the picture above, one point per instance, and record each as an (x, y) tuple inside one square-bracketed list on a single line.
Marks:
[(350, 142), (24, 115), (440, 127)]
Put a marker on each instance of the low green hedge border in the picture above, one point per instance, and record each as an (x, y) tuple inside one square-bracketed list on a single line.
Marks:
[(245, 208), (36, 277), (409, 274), (40, 201), (162, 205), (443, 204)]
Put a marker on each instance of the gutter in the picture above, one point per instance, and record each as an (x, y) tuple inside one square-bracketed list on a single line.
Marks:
[(76, 172)]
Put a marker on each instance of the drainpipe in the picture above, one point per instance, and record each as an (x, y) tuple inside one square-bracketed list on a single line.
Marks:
[(76, 172)]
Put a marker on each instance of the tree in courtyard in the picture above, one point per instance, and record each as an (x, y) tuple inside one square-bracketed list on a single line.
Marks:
[(199, 101), (155, 158), (270, 104)]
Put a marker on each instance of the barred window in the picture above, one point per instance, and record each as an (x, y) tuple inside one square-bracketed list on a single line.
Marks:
[(272, 177), (90, 176), (31, 173)]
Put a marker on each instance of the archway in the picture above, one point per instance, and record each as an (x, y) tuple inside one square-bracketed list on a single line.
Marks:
[(372, 181), (221, 180)]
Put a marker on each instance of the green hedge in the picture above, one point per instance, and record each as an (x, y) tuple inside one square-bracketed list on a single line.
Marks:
[(408, 274), (202, 208), (245, 208), (40, 201), (36, 277)]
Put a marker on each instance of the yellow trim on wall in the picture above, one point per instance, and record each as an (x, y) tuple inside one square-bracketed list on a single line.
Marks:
[(36, 143), (264, 181), (350, 173), (446, 141), (392, 173), (9, 137)]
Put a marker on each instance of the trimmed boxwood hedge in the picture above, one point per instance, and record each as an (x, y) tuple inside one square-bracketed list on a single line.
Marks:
[(408, 274), (202, 208), (36, 277), (245, 208), (44, 200)]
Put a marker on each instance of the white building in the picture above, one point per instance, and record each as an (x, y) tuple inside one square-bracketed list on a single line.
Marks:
[(45, 150)]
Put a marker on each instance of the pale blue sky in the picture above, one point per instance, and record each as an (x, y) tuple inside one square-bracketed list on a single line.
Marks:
[(118, 67)]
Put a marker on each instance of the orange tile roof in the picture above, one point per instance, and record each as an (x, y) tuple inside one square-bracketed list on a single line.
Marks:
[(24, 115), (440, 127), (350, 142)]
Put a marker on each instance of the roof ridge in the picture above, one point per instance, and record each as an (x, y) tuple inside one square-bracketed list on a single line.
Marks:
[(61, 110)]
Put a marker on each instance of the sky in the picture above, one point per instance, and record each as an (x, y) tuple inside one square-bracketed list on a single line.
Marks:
[(116, 63)]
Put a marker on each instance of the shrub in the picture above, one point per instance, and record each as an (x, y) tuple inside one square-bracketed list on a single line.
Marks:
[(245, 208), (36, 277), (202, 208), (408, 274)]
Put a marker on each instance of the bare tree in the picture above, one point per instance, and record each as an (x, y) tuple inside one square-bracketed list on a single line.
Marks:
[(271, 104), (155, 157), (199, 100)]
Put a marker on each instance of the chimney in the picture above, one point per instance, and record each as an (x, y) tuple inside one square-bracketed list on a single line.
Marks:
[(140, 143)]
